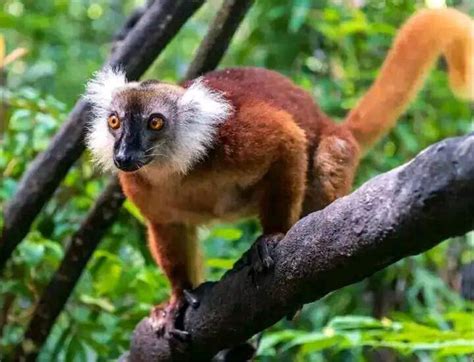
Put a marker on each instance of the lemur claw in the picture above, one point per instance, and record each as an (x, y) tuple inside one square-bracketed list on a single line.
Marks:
[(191, 298), (259, 257), (265, 260), (181, 336), (163, 322)]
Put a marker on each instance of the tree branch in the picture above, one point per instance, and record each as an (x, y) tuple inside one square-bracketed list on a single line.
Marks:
[(400, 213), (161, 21), (86, 239), (215, 44)]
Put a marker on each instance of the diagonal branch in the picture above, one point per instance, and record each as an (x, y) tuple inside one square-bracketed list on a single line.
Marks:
[(86, 239), (400, 213), (215, 44), (161, 21)]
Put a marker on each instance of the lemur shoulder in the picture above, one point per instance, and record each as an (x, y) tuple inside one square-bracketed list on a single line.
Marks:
[(248, 141)]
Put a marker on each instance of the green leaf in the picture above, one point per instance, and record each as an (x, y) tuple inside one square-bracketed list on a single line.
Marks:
[(220, 263), (108, 276), (313, 342), (463, 322), (271, 339), (227, 233), (75, 351), (102, 303), (133, 210), (354, 322), (299, 12), (32, 253)]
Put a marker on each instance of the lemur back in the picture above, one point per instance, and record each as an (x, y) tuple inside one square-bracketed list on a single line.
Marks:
[(267, 86)]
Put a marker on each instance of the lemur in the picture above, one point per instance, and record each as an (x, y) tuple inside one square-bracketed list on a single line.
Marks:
[(247, 141)]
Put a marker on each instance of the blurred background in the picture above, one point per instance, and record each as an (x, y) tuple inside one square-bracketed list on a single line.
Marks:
[(332, 48)]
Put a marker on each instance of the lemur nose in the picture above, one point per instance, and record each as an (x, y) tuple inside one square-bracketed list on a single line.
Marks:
[(127, 161)]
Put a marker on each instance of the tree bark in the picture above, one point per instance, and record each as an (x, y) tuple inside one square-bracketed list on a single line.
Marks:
[(397, 214)]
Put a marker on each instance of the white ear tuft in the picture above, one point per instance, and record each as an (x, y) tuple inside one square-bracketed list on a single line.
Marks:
[(99, 93), (209, 103), (201, 110), (100, 89)]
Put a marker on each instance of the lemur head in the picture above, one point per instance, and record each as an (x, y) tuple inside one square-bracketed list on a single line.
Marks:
[(139, 123)]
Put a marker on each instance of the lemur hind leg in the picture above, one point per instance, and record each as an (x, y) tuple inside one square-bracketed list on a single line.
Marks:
[(175, 249), (331, 174), (334, 165)]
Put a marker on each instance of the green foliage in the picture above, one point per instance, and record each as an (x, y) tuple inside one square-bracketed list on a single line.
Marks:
[(330, 48), (353, 332)]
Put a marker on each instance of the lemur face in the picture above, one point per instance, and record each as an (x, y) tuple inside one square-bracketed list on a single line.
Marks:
[(142, 120), (150, 123)]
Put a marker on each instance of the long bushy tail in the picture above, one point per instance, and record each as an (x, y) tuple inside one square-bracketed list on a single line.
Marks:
[(425, 36)]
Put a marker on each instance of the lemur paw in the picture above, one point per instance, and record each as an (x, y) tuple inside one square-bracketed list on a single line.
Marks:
[(258, 257), (165, 318)]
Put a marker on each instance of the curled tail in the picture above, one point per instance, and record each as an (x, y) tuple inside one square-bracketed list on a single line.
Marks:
[(420, 41)]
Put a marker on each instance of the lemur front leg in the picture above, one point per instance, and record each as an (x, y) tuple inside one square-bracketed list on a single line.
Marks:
[(281, 204), (175, 249)]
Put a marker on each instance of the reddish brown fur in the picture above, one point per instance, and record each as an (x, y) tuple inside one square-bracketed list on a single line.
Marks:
[(170, 246), (277, 156), (259, 166)]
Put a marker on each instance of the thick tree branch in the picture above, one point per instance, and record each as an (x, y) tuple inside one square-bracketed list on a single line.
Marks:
[(161, 21), (400, 213), (86, 239)]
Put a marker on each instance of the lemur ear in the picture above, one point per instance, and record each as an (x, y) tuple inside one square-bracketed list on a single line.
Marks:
[(204, 104), (200, 111), (101, 87)]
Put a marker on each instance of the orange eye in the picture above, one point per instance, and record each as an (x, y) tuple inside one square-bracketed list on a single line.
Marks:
[(156, 123), (114, 122)]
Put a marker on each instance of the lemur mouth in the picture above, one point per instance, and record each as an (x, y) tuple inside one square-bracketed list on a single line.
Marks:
[(131, 168), (130, 165)]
